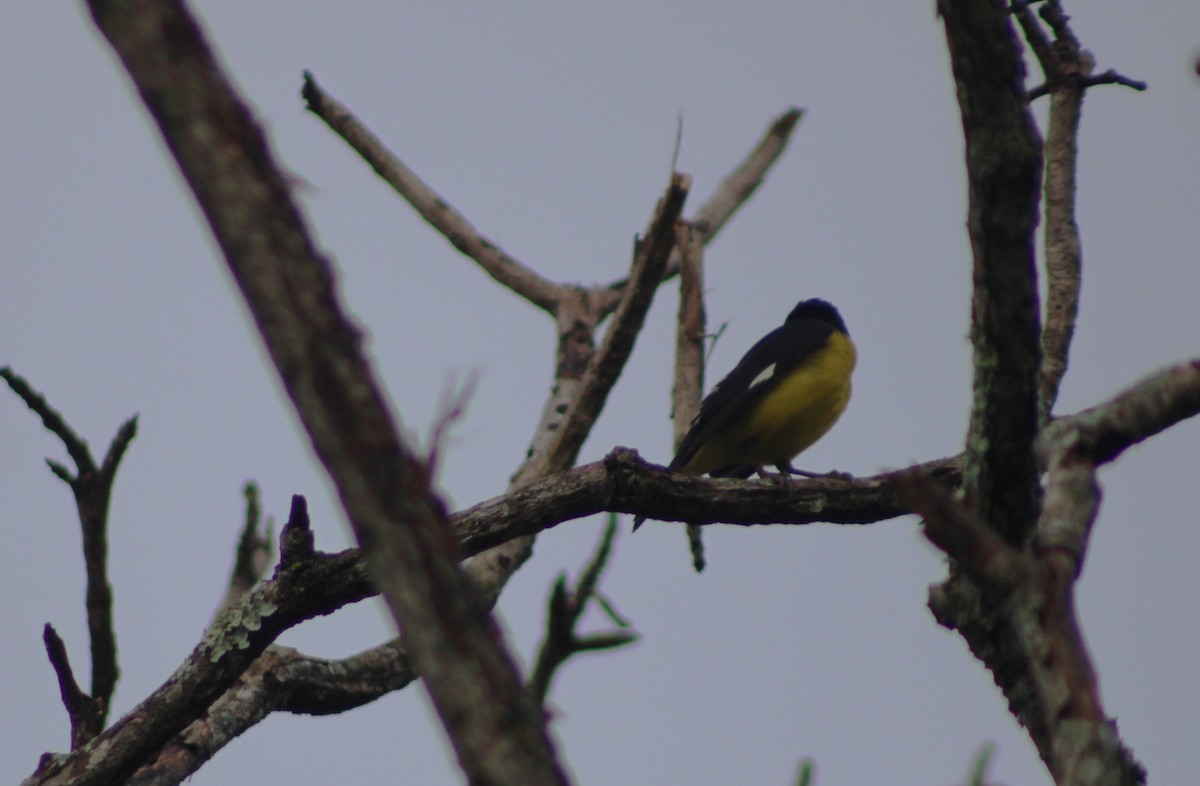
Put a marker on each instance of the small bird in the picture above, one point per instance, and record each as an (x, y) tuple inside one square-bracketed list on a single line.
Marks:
[(788, 390)]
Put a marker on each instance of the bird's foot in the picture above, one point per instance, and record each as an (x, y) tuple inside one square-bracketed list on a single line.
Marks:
[(788, 469)]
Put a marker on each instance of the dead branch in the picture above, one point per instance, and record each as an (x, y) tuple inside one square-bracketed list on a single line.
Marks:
[(1004, 168), (1148, 407), (290, 290), (565, 608), (734, 191), (649, 261), (1067, 67), (85, 713), (439, 213), (689, 356), (281, 680), (92, 487), (253, 550)]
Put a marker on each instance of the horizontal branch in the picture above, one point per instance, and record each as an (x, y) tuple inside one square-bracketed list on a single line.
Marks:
[(624, 483)]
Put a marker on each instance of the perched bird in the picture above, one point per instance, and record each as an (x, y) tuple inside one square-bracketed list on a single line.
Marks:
[(788, 390)]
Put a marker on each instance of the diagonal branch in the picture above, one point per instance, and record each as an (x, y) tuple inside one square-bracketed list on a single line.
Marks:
[(281, 680), (689, 356), (649, 261), (1148, 407), (86, 714), (289, 288), (319, 584), (439, 213)]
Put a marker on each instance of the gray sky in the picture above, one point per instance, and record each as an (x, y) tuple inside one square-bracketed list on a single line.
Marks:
[(551, 127)]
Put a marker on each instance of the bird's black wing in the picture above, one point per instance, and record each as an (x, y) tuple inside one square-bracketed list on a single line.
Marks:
[(786, 347)]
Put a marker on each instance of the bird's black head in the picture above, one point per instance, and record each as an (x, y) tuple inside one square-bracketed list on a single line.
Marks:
[(821, 310)]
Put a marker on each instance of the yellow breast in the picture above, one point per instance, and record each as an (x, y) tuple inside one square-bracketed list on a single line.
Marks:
[(800, 409)]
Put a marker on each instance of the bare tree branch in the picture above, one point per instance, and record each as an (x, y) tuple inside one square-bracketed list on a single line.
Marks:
[(649, 261), (1065, 64), (92, 486), (734, 191), (1004, 167), (582, 381), (954, 528), (288, 286), (689, 355), (1033, 597), (253, 550), (281, 680), (624, 483), (1068, 71), (565, 608), (740, 184), (85, 713), (1150, 406), (439, 213), (1009, 629)]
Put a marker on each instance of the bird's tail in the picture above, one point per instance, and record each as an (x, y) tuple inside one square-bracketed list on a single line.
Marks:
[(637, 522)]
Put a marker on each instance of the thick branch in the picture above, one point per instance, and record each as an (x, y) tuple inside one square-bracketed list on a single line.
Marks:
[(1004, 177), (439, 213), (384, 488), (281, 680)]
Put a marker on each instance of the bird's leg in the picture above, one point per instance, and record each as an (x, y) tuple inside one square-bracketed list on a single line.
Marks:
[(783, 477), (786, 468)]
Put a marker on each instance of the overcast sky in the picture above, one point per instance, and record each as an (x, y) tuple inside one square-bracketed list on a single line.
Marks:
[(551, 127)]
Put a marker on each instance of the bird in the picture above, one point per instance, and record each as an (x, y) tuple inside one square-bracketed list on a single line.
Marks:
[(784, 394)]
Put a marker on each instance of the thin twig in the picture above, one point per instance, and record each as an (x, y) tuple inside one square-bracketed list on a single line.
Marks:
[(451, 410), (439, 213), (565, 609), (253, 550), (734, 191), (649, 261), (85, 713), (689, 356), (92, 487)]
